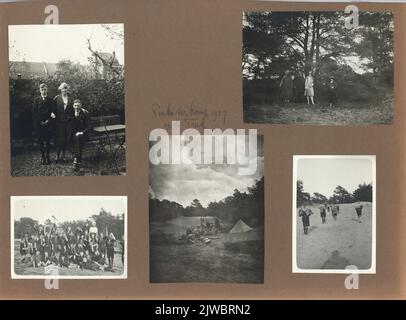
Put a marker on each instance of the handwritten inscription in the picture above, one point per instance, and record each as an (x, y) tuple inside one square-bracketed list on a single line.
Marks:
[(190, 115)]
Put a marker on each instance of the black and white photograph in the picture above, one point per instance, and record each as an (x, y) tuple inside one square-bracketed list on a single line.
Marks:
[(318, 68), (334, 214), (207, 220), (66, 100), (68, 237)]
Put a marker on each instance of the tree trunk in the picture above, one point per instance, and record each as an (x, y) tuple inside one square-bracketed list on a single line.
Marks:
[(317, 69), (306, 43), (313, 43)]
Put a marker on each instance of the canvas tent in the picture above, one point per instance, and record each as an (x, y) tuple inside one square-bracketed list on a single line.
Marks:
[(241, 232), (240, 226)]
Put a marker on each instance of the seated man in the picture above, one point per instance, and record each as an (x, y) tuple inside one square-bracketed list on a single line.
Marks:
[(36, 261), (63, 261), (80, 126)]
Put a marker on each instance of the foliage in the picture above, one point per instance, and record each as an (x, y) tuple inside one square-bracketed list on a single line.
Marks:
[(100, 97), (248, 206), (363, 193), (104, 221), (340, 195), (301, 196), (319, 198), (360, 59)]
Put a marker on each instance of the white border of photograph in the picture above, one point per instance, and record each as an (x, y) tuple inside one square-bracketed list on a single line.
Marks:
[(13, 199), (372, 269)]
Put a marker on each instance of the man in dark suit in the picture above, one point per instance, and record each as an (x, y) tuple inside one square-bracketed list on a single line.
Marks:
[(80, 127), (42, 114)]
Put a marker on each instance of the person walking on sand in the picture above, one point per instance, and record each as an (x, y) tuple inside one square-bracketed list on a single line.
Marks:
[(334, 211), (309, 90), (305, 215), (358, 209), (322, 209)]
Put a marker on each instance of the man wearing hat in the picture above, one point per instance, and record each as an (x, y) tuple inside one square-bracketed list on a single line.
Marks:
[(80, 127)]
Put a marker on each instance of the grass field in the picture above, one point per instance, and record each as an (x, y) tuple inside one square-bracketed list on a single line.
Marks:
[(321, 113), (21, 269), (338, 243), (198, 262)]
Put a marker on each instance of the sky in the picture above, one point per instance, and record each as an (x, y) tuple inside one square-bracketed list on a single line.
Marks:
[(185, 182), (324, 175), (65, 208), (52, 43)]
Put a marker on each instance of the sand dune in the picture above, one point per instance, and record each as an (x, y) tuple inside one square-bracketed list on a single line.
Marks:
[(338, 243)]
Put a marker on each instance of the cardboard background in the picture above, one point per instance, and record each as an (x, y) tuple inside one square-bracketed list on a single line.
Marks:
[(183, 51)]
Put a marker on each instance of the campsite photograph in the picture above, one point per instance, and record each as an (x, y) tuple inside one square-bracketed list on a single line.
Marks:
[(334, 215), (207, 222), (68, 237), (66, 89), (318, 68)]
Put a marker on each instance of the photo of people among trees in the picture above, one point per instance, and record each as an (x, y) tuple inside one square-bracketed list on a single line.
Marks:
[(66, 87), (315, 68), (89, 246)]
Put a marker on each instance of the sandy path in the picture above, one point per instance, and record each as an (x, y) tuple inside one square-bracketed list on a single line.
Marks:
[(337, 243)]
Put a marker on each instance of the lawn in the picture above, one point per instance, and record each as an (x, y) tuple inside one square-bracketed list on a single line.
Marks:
[(300, 113), (199, 262)]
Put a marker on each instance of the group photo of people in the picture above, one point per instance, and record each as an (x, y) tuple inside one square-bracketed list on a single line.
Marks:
[(75, 246), (296, 87), (84, 249), (315, 68), (67, 113)]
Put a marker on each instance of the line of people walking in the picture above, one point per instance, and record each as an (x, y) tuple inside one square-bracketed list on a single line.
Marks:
[(305, 213)]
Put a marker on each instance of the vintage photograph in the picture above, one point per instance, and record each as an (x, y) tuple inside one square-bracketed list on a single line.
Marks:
[(68, 237), (334, 214), (318, 68), (207, 220), (66, 91)]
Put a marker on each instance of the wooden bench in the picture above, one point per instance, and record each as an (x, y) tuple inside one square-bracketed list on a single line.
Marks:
[(106, 125), (107, 137)]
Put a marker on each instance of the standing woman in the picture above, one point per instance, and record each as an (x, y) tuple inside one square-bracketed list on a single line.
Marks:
[(309, 91), (63, 105)]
